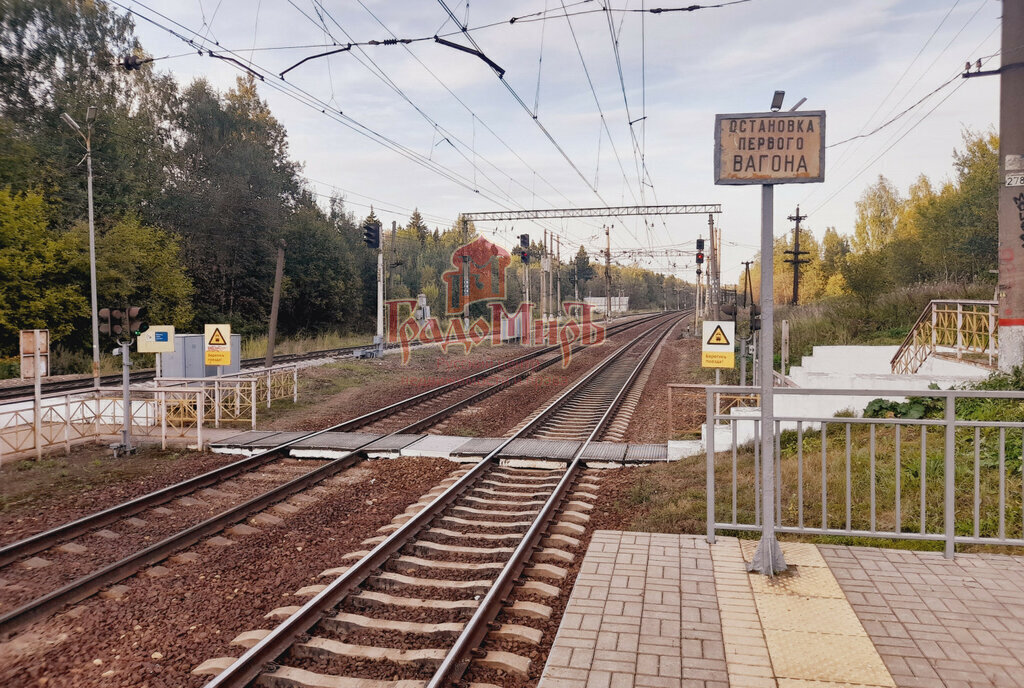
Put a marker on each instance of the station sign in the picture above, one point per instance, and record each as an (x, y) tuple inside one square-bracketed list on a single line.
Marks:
[(217, 345), (770, 148), (717, 350), (158, 339)]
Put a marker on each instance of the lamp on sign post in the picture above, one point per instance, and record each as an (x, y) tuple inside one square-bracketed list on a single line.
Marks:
[(90, 117)]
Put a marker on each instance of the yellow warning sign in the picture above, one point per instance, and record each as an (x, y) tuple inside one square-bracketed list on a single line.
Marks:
[(217, 339), (717, 359), (718, 337), (717, 351), (216, 345)]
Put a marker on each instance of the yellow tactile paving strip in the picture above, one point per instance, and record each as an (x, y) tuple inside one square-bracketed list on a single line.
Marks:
[(811, 635)]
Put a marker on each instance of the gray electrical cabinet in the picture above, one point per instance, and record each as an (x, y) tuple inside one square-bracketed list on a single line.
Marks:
[(187, 358)]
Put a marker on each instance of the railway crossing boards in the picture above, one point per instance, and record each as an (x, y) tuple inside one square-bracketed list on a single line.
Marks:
[(717, 350), (217, 345)]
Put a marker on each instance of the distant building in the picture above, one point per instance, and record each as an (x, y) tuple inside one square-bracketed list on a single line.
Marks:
[(620, 304)]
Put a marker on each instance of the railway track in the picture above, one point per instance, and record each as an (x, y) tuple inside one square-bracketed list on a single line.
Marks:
[(413, 414), (15, 392), (421, 603)]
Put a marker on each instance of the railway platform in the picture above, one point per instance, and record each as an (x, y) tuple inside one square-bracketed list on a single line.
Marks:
[(668, 611)]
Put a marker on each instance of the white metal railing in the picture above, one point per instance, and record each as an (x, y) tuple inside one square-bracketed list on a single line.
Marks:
[(949, 479), (174, 409)]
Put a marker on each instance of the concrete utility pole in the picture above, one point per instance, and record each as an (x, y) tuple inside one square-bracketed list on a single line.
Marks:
[(275, 305), (543, 278), (1011, 198), (714, 291), (796, 261), (379, 339), (558, 276), (90, 117), (607, 274)]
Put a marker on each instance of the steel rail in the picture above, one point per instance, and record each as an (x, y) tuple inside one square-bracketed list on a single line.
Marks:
[(40, 541), (247, 667), (89, 584), (455, 663)]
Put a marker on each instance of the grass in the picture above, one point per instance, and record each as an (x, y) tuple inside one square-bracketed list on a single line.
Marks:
[(671, 497), (256, 347), (848, 320)]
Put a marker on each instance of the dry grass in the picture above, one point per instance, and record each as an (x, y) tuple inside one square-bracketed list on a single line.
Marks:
[(256, 347)]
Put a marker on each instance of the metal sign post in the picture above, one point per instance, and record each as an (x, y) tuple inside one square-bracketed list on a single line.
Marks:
[(769, 148)]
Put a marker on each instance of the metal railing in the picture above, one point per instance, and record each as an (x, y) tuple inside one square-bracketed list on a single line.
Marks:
[(959, 327), (946, 479), (176, 408), (686, 406)]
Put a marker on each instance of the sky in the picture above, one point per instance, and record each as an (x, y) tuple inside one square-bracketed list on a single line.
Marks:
[(424, 125)]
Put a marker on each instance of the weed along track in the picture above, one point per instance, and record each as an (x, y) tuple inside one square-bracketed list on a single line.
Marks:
[(49, 570), (420, 602)]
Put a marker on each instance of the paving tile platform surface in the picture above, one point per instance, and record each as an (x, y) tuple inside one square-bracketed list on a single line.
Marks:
[(938, 622), (670, 611)]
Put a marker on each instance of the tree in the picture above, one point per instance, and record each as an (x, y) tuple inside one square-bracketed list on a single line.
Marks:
[(140, 265), (41, 285), (230, 193), (582, 271), (417, 226), (878, 211)]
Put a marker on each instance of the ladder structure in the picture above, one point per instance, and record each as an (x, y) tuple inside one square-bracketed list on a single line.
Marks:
[(951, 329)]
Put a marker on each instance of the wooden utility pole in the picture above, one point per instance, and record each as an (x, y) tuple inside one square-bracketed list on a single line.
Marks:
[(746, 283), (275, 305), (1011, 188), (796, 261)]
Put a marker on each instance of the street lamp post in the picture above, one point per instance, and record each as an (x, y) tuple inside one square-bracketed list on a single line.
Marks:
[(90, 117)]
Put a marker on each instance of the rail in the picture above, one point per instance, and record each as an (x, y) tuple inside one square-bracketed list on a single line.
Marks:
[(950, 479), (246, 668), (950, 328)]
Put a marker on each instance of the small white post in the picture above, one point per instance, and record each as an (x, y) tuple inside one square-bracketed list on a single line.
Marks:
[(295, 385), (216, 403), (252, 386), (67, 424), (200, 403), (37, 406), (163, 418)]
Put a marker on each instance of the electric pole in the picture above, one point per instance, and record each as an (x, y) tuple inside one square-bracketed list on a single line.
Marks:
[(746, 283), (607, 274), (1011, 197), (275, 304), (543, 278), (558, 276), (796, 261), (714, 290)]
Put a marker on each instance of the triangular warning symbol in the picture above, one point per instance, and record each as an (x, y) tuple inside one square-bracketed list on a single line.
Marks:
[(718, 336), (217, 339)]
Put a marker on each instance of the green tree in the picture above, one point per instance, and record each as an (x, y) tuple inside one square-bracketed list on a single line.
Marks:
[(878, 211), (581, 271), (40, 286), (417, 226), (140, 265)]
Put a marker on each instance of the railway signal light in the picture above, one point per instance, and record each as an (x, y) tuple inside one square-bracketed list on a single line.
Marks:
[(371, 234), (137, 320), (105, 324), (700, 244), (116, 322), (524, 240), (755, 317), (700, 257)]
